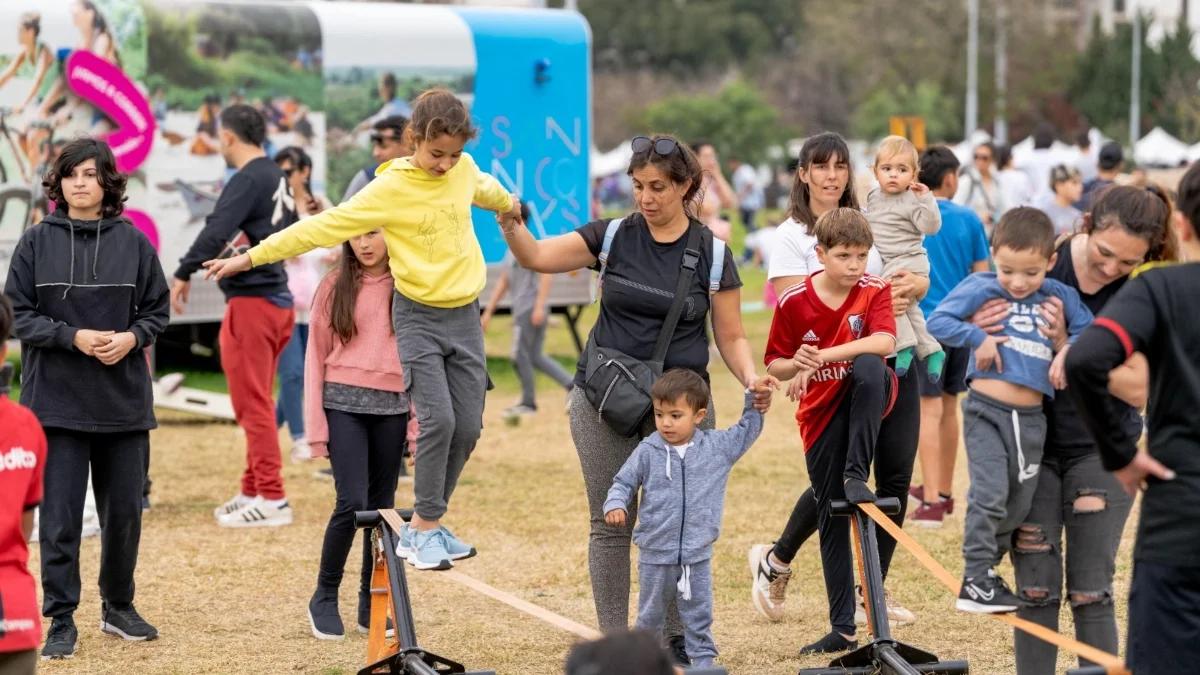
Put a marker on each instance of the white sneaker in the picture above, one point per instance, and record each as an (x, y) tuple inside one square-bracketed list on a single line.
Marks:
[(258, 514), (897, 615), (768, 591), (301, 452), (232, 505), (171, 382)]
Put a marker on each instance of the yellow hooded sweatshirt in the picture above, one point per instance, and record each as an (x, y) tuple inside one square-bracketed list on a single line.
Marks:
[(435, 257)]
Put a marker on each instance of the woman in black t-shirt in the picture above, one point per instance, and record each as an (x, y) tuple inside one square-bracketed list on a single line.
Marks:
[(1126, 227), (643, 269)]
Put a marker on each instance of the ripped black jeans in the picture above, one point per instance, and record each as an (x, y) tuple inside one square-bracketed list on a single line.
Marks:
[(1077, 495)]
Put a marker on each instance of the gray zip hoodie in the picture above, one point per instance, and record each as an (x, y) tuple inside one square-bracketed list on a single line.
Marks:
[(683, 499)]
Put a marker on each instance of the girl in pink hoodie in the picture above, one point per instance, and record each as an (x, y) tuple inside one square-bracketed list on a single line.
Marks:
[(356, 413)]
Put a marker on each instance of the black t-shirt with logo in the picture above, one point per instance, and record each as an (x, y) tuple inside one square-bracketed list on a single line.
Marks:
[(256, 203), (1066, 436), (639, 287)]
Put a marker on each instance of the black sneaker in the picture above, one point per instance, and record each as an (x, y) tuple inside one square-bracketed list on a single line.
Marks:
[(62, 640), (678, 648), (323, 615), (830, 644), (125, 623), (987, 594), (364, 616)]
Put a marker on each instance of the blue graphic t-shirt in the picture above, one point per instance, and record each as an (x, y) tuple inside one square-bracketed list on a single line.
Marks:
[(1027, 354)]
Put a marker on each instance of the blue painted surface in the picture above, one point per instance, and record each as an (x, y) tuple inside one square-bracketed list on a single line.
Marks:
[(534, 136)]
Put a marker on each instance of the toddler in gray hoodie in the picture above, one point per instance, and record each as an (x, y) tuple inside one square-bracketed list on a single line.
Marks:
[(682, 472)]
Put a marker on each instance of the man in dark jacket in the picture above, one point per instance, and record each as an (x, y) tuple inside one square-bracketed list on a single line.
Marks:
[(88, 296), (259, 316)]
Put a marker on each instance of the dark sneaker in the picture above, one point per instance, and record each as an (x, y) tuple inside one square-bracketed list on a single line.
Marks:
[(62, 640), (830, 644), (364, 616), (323, 616), (678, 649), (987, 594), (125, 623)]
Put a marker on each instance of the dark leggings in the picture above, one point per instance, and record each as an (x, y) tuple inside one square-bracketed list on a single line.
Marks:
[(894, 455), (365, 452)]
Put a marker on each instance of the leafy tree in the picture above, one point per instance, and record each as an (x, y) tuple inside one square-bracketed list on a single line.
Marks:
[(738, 121), (926, 100)]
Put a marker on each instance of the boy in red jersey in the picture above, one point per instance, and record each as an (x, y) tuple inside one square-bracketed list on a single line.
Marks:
[(833, 331), (22, 460)]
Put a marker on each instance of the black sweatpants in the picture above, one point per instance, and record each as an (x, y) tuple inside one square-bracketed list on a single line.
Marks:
[(1164, 620), (846, 448), (118, 476), (895, 452), (365, 452)]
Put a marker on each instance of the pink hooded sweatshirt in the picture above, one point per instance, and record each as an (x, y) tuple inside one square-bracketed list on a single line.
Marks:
[(370, 360)]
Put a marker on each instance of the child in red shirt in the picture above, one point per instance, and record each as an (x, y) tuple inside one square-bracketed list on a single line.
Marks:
[(832, 332), (22, 460)]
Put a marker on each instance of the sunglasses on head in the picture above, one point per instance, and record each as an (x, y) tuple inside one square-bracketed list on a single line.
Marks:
[(662, 146), (378, 139), (288, 171)]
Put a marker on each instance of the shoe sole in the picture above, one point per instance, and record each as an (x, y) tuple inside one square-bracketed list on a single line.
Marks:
[(405, 553), (117, 632), (318, 634), (61, 657), (753, 558), (964, 605), (278, 521), (443, 564), (391, 632), (921, 522)]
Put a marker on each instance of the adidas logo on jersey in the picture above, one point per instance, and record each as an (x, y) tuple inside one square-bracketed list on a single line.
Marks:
[(17, 458), (811, 337)]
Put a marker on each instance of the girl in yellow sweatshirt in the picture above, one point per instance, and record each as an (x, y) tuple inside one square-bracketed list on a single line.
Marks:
[(423, 205)]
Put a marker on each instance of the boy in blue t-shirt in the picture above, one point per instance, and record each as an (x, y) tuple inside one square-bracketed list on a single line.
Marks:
[(1009, 374)]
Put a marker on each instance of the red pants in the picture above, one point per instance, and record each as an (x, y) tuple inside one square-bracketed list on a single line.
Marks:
[(253, 335)]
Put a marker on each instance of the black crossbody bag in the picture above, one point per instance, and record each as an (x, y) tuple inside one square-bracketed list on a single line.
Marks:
[(618, 385)]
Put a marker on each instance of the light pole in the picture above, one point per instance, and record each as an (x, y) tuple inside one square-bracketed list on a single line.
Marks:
[(972, 108), (1000, 130), (1135, 93)]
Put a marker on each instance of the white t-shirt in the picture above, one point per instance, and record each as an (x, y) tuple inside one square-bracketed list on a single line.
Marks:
[(795, 253), (746, 177)]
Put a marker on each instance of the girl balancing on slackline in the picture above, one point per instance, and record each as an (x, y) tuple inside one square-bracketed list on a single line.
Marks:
[(423, 205)]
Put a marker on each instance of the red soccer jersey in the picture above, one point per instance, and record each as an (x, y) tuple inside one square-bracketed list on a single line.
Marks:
[(22, 461), (801, 318)]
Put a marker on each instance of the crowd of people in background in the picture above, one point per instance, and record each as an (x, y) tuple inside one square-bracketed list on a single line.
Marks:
[(1002, 282)]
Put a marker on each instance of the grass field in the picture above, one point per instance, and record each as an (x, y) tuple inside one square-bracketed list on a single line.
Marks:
[(234, 601)]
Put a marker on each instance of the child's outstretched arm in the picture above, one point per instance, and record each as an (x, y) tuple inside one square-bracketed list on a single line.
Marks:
[(737, 439), (491, 195), (626, 483), (948, 323)]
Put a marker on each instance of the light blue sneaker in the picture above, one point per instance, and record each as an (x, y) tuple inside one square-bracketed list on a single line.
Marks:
[(457, 548), (429, 551), (404, 548)]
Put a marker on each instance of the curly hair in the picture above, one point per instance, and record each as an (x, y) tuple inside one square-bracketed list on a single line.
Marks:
[(111, 181)]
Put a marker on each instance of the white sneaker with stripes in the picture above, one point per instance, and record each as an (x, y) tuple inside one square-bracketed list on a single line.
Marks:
[(258, 513)]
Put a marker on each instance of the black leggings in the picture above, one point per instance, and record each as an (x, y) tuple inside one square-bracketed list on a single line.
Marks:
[(365, 452), (894, 455)]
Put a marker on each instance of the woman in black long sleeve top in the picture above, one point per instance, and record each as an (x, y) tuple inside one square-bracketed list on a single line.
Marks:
[(1157, 313)]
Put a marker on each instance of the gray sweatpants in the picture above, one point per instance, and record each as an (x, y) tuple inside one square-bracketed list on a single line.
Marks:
[(528, 342), (602, 453), (660, 588), (1004, 452), (445, 374)]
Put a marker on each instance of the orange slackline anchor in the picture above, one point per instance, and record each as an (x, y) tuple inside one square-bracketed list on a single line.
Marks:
[(1109, 664)]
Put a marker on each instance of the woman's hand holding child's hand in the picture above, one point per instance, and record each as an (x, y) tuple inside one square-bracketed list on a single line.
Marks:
[(763, 388), (616, 517)]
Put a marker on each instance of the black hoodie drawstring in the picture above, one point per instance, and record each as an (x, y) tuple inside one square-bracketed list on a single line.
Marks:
[(71, 281), (96, 255)]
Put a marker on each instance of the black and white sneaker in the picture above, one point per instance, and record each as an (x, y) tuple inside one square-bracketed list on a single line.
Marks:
[(987, 595), (323, 615), (678, 648), (63, 639), (125, 623)]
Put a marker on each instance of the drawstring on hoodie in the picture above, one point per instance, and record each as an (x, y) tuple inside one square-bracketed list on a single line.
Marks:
[(71, 280), (96, 255)]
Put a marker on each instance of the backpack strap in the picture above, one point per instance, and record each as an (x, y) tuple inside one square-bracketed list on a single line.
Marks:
[(609, 234), (717, 269)]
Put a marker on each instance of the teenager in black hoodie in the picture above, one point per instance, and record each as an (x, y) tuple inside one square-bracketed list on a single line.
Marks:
[(88, 296)]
